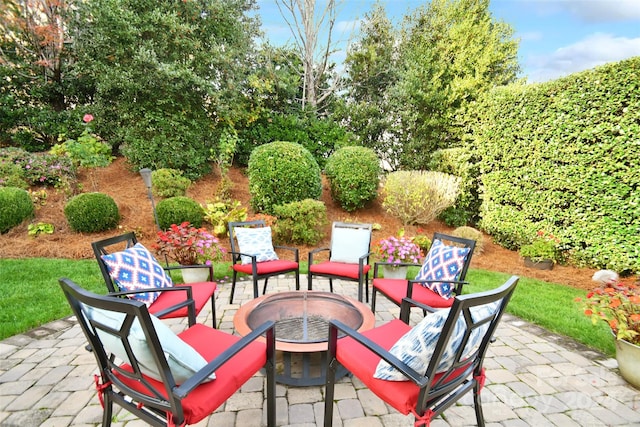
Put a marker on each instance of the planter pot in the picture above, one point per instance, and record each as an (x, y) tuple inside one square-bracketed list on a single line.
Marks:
[(545, 264), (394, 272), (628, 357), (195, 275)]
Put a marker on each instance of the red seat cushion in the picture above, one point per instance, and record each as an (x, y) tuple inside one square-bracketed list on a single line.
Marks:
[(338, 269), (396, 289), (267, 267), (362, 363), (210, 343), (201, 293)]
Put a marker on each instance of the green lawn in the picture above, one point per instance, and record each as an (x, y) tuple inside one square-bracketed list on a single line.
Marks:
[(31, 297)]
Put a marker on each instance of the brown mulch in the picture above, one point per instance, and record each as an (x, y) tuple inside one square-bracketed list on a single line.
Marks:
[(127, 189)]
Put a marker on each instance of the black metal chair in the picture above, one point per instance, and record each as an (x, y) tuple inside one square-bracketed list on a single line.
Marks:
[(443, 364), (173, 302), (259, 261), (397, 289), (348, 257), (163, 378)]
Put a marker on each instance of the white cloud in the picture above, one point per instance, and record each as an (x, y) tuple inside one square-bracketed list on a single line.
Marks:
[(603, 10), (596, 49)]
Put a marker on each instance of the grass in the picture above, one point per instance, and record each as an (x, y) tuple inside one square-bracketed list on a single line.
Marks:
[(31, 297)]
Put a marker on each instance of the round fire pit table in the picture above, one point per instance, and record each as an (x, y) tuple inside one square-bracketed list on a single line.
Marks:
[(302, 329)]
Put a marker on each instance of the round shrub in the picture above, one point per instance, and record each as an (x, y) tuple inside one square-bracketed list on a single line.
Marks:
[(354, 176), (169, 182), (282, 172), (300, 222), (176, 210), (15, 207), (92, 212), (471, 234)]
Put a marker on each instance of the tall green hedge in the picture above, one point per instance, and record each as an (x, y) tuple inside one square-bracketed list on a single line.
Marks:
[(564, 157)]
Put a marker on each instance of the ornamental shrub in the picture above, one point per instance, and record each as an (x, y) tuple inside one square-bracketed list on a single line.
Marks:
[(179, 209), (92, 212), (15, 207), (300, 222), (354, 176), (282, 172), (168, 182), (418, 197), (11, 175), (471, 234)]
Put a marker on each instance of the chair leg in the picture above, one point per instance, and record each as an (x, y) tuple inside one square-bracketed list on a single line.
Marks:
[(477, 404), (233, 286), (309, 279), (108, 408), (297, 280), (213, 310), (373, 300), (271, 379), (264, 289), (329, 392), (331, 285)]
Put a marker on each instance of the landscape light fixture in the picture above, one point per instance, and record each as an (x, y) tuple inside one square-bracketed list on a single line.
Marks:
[(145, 173)]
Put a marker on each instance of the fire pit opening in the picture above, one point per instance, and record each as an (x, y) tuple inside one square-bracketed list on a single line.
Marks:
[(303, 317)]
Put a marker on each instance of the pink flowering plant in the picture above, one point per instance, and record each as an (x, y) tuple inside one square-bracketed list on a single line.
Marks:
[(188, 245), (396, 250)]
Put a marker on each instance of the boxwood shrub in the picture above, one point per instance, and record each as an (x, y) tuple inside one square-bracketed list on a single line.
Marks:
[(354, 176), (176, 210), (15, 207), (92, 212)]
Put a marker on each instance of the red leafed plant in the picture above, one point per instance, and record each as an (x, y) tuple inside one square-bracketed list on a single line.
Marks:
[(188, 245), (619, 306)]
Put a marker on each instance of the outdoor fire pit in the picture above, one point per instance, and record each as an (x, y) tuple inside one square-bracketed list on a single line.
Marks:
[(302, 328)]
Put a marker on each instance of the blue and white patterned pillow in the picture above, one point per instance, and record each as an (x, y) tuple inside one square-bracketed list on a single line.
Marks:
[(442, 263), (416, 347), (255, 241), (136, 268)]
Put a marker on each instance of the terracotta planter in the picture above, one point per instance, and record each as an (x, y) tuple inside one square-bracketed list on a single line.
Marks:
[(545, 264), (628, 357), (195, 275), (394, 272)]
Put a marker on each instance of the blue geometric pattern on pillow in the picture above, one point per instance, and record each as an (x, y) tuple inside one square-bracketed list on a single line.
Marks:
[(442, 263), (416, 347), (255, 241), (136, 268)]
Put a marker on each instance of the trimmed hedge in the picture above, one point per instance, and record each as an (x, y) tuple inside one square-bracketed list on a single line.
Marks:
[(92, 212), (354, 176), (564, 157), (15, 206), (178, 209)]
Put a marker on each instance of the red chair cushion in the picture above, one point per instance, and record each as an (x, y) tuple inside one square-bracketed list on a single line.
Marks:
[(201, 293), (362, 363), (338, 269), (396, 289), (267, 267), (210, 343)]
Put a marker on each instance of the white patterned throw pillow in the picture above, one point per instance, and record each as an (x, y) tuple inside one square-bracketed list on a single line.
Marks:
[(255, 241), (416, 347), (442, 263), (349, 244), (136, 268)]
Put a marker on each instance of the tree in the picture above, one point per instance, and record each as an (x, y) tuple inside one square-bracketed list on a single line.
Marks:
[(371, 68), (166, 75), (451, 52), (307, 27)]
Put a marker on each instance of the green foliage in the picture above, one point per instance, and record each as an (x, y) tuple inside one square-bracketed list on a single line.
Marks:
[(459, 162), (417, 197), (471, 234), (564, 157), (87, 151), (354, 176), (179, 209), (226, 150), (300, 223), (282, 172), (35, 230), (40, 168), (11, 175), (318, 135), (220, 212), (169, 183), (15, 207), (92, 212)]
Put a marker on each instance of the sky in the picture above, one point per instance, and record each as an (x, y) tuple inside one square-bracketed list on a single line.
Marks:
[(557, 37)]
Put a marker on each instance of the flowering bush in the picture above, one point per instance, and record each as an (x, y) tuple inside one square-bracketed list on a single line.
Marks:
[(397, 250), (543, 247), (188, 245), (422, 240), (619, 306)]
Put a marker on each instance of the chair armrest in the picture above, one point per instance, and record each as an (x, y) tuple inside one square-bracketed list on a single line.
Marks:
[(316, 251), (291, 249), (407, 303), (187, 387), (235, 256), (335, 325), (457, 290), (187, 301)]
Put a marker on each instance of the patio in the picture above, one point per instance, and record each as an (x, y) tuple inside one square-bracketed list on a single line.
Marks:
[(534, 378)]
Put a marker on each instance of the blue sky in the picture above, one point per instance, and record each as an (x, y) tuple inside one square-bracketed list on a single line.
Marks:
[(557, 37)]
